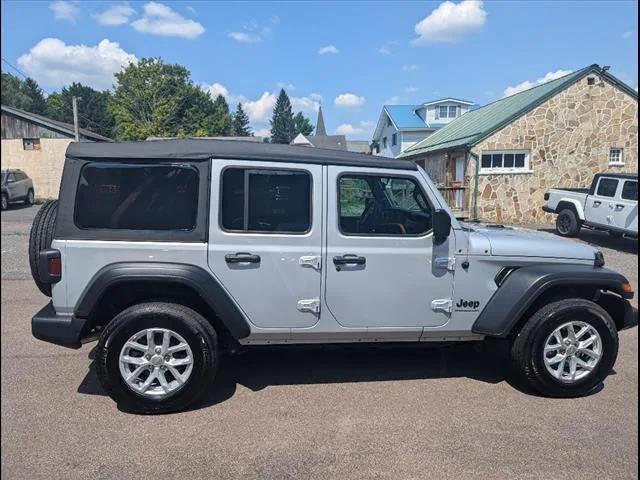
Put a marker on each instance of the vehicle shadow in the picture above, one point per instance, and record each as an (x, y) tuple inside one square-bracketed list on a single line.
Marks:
[(604, 240), (261, 367)]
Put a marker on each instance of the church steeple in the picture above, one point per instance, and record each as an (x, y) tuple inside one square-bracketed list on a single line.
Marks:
[(320, 130)]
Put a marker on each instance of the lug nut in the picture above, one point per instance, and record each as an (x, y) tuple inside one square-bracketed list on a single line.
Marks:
[(148, 357), (167, 358), (158, 349)]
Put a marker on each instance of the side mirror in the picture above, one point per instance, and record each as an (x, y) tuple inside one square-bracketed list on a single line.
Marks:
[(441, 225)]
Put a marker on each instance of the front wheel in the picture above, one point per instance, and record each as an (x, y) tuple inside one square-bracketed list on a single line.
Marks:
[(157, 357), (30, 200), (567, 348), (5, 202)]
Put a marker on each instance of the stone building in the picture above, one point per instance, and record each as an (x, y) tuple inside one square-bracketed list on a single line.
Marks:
[(37, 145), (496, 163)]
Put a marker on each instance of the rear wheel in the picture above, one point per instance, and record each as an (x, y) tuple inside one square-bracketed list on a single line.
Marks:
[(568, 224), (30, 198), (567, 348), (157, 357), (40, 238)]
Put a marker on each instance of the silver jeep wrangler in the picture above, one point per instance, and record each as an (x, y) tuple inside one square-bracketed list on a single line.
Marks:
[(173, 251)]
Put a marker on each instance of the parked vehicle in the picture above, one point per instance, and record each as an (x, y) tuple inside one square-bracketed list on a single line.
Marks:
[(611, 204), (16, 187), (173, 251)]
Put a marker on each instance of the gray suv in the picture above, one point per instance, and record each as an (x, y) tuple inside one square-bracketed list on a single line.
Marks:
[(171, 252), (16, 187)]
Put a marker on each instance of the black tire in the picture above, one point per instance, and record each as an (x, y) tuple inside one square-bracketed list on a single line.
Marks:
[(42, 231), (616, 234), (30, 199), (192, 326), (528, 347), (568, 224), (5, 202)]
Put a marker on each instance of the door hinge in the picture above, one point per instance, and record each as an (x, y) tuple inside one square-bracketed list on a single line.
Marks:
[(309, 305), (312, 261), (442, 305), (448, 263)]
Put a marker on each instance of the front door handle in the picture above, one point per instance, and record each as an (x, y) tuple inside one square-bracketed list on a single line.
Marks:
[(597, 203), (349, 259), (241, 257)]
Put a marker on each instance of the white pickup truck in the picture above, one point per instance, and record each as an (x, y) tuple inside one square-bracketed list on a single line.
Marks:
[(611, 204)]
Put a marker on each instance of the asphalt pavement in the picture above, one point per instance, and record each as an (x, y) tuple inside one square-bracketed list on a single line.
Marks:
[(275, 413)]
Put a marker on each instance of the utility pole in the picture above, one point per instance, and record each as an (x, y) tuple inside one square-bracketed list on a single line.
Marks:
[(76, 129)]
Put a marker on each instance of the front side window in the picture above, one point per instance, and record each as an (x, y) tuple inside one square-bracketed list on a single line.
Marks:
[(378, 205), (615, 156), (504, 162), (266, 200), (607, 187), (630, 190), (137, 197)]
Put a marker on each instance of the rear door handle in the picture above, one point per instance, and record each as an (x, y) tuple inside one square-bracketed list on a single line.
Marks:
[(619, 206), (241, 257), (597, 203), (349, 259)]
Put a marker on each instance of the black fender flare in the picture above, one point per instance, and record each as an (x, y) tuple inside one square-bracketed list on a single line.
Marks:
[(196, 278), (525, 285)]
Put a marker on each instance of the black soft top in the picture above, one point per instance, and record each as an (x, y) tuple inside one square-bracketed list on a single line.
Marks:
[(195, 150)]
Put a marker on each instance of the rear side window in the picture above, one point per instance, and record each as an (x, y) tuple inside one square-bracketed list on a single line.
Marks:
[(266, 200), (607, 187), (137, 197), (630, 191), (377, 205)]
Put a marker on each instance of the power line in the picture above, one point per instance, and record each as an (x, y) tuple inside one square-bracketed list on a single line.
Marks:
[(21, 73)]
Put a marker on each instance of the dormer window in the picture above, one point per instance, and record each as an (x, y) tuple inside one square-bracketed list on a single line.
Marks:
[(447, 111)]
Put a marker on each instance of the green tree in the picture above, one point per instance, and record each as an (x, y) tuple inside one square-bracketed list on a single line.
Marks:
[(241, 126), (282, 127), (222, 120), (153, 98), (302, 125), (93, 108), (22, 94)]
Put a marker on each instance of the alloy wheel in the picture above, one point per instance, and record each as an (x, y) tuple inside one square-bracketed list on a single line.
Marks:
[(572, 351)]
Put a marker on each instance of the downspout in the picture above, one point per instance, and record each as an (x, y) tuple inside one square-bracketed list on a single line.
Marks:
[(475, 186)]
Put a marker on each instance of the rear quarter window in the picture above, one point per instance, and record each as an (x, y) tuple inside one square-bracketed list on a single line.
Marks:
[(137, 197), (630, 190)]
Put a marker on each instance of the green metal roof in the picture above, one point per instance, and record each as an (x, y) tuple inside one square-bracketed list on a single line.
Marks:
[(476, 125)]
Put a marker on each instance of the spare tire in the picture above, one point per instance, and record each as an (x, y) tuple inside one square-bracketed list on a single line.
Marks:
[(40, 238)]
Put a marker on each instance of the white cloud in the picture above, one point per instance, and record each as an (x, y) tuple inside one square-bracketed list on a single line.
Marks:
[(410, 68), (191, 10), (395, 100), (263, 132), (411, 89), (316, 96), (53, 63), (627, 34), (364, 128), (349, 101), (115, 15), (329, 49), (260, 110), (159, 19), (216, 89), (64, 10), (387, 48), (306, 105), (244, 37), (526, 85), (286, 86), (450, 22)]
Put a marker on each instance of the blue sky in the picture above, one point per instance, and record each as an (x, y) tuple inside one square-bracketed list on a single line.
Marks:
[(350, 57)]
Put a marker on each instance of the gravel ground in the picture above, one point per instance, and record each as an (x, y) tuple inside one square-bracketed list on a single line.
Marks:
[(364, 413)]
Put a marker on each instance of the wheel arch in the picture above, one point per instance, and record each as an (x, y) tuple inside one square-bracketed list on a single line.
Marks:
[(528, 288), (571, 204), (118, 286)]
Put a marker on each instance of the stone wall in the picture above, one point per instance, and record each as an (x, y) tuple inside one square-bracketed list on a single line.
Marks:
[(569, 138), (44, 166)]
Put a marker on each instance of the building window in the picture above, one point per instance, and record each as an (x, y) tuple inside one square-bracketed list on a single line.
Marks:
[(266, 201), (504, 162), (615, 156), (389, 121), (394, 139), (384, 142), (31, 143), (591, 81), (444, 111), (453, 111)]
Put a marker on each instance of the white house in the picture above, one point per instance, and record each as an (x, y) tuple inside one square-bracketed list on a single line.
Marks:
[(401, 126)]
